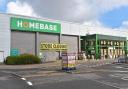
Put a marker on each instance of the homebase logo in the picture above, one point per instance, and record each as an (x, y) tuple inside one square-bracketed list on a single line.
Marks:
[(34, 25)]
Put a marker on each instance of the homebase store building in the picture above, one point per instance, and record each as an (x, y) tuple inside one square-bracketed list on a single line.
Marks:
[(45, 38)]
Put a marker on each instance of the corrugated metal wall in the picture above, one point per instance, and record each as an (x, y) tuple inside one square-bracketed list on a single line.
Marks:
[(5, 35), (71, 41), (24, 41), (49, 38)]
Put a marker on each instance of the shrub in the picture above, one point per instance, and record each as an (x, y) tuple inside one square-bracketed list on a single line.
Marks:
[(12, 60), (22, 59)]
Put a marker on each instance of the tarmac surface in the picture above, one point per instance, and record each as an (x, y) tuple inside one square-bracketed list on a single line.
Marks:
[(110, 76), (10, 81), (88, 74)]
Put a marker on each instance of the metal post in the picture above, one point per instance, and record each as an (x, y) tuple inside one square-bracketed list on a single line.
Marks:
[(96, 49), (60, 35), (37, 45), (79, 44)]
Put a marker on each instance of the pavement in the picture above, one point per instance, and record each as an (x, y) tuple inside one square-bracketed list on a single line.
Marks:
[(53, 68)]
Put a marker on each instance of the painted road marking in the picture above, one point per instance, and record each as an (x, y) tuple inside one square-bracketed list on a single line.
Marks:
[(125, 68), (119, 67), (107, 83), (118, 75), (29, 83), (121, 71), (124, 78), (115, 75), (23, 78), (124, 88)]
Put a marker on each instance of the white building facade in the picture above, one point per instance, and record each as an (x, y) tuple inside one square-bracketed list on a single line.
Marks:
[(18, 40)]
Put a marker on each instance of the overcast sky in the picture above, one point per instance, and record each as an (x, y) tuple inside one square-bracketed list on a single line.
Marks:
[(107, 13)]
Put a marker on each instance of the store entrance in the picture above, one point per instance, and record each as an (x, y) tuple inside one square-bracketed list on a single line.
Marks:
[(111, 49), (107, 52)]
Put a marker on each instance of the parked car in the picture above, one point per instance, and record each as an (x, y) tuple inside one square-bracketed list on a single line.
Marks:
[(121, 59)]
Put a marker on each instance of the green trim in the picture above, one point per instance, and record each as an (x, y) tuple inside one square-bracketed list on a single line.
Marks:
[(126, 47), (96, 49), (108, 37)]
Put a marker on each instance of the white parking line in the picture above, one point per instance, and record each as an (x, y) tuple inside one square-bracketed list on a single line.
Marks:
[(124, 68), (107, 83), (115, 75), (23, 78), (119, 67), (118, 71), (29, 83), (124, 78)]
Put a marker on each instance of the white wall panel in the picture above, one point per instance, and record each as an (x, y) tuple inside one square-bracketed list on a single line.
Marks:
[(65, 28), (83, 30), (74, 29), (5, 34)]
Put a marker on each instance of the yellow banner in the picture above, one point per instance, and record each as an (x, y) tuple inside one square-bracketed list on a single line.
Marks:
[(51, 46), (68, 65)]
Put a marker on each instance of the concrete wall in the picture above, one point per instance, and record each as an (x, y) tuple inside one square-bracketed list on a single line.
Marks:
[(24, 41), (5, 35)]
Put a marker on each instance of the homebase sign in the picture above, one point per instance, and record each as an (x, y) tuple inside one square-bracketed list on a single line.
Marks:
[(34, 25)]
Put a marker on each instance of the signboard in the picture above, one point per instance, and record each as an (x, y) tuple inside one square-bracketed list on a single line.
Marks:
[(51, 46), (14, 52), (34, 25), (110, 47)]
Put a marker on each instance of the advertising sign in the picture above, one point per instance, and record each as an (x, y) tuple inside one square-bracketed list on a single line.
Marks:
[(34, 25), (14, 52), (51, 46), (68, 61)]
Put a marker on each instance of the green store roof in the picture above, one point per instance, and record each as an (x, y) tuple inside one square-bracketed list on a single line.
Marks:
[(104, 37)]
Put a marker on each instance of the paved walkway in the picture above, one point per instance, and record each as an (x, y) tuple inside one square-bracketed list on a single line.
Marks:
[(52, 68), (79, 63), (31, 66), (94, 63), (88, 66)]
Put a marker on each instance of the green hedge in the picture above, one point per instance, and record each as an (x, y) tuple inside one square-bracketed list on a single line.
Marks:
[(22, 59)]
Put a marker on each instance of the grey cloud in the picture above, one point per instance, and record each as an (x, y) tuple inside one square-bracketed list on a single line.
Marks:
[(73, 10), (68, 10)]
